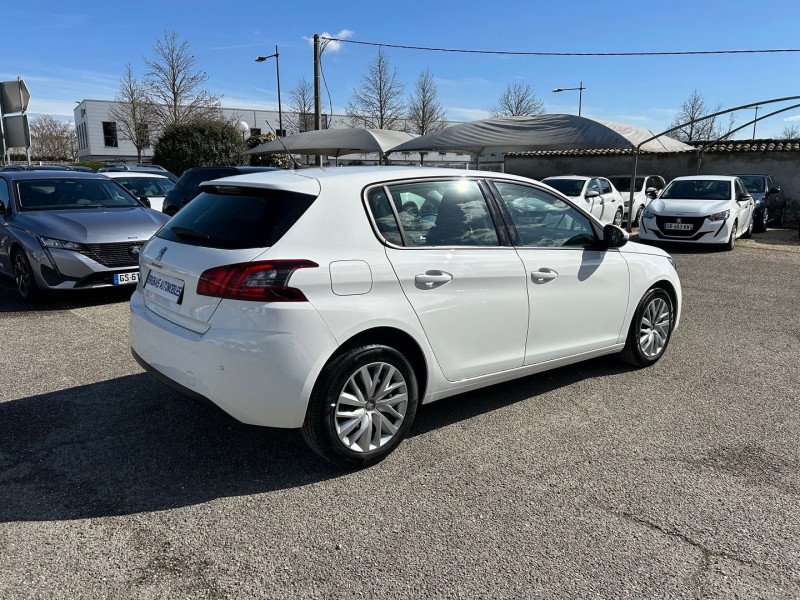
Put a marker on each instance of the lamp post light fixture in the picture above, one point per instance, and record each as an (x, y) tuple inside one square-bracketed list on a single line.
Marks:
[(242, 127), (280, 132), (580, 89)]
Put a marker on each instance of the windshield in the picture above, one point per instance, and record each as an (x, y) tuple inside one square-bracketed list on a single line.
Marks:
[(146, 186), (65, 193), (623, 183), (697, 189), (753, 183), (568, 187)]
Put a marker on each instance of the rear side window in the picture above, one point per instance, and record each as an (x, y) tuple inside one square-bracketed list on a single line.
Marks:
[(236, 218)]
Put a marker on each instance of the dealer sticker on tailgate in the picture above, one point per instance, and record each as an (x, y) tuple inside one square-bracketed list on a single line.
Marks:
[(164, 286)]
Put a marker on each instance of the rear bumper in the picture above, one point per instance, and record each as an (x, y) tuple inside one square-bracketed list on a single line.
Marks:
[(257, 377)]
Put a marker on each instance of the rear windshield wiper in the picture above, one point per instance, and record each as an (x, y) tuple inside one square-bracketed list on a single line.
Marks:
[(189, 234)]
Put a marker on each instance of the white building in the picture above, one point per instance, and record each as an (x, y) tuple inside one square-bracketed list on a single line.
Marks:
[(99, 138)]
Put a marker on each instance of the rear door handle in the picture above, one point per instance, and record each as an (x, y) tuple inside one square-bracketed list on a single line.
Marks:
[(543, 275), (433, 277)]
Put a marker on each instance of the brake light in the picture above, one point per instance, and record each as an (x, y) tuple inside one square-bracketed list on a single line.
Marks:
[(260, 281)]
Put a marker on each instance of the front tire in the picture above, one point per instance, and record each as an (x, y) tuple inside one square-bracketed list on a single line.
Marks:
[(638, 218), (763, 221), (362, 406), (23, 276), (650, 330), (618, 218), (731, 240)]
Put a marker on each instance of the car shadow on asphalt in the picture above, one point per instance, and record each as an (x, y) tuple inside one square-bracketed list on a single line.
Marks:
[(131, 445), (10, 302)]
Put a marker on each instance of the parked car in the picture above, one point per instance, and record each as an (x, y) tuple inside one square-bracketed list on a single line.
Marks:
[(70, 230), (41, 168), (598, 195), (645, 189), (152, 186), (141, 168), (323, 300), (770, 204), (188, 186), (704, 209)]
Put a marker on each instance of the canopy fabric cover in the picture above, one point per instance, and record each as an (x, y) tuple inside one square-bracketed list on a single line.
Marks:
[(543, 132), (335, 142)]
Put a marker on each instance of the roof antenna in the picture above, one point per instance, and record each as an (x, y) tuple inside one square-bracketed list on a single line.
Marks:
[(295, 165)]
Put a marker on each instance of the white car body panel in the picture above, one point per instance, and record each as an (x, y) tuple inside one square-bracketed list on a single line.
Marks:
[(260, 361), (603, 207)]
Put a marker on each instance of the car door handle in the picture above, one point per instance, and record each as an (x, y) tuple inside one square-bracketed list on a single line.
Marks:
[(433, 277), (543, 275)]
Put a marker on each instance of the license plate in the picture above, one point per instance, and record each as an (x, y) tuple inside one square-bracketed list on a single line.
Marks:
[(679, 226), (163, 285), (126, 278)]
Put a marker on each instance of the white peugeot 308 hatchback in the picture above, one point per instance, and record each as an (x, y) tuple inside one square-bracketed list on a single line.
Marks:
[(339, 300)]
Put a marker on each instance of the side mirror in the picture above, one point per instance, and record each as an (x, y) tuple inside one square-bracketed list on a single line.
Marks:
[(651, 192), (145, 200), (591, 194), (774, 190), (614, 237), (745, 197)]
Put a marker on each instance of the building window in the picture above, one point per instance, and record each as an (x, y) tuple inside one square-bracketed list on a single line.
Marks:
[(110, 133)]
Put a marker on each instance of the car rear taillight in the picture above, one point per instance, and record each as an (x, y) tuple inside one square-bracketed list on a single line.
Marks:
[(261, 281)]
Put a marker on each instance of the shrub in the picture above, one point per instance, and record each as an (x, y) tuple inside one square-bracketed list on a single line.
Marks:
[(281, 159), (201, 143)]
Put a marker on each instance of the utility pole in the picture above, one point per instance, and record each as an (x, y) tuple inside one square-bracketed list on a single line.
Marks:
[(317, 99)]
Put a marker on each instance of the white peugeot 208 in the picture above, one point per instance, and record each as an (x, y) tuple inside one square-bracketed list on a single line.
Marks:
[(339, 300), (704, 209)]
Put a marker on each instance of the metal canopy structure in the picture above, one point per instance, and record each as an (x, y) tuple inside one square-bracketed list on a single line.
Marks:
[(544, 132), (335, 142)]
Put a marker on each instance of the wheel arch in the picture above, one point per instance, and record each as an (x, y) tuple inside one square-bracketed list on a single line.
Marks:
[(396, 338), (669, 288)]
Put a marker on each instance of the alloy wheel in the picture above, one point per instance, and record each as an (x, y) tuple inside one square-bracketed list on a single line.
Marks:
[(654, 328), (23, 276), (618, 218), (371, 407)]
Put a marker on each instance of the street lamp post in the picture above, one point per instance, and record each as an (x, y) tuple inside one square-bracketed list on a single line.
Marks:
[(580, 89), (280, 132)]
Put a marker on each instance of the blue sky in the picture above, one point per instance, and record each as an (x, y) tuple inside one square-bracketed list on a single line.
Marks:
[(68, 51)]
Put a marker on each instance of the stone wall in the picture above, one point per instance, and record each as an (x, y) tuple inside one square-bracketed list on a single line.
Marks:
[(784, 166)]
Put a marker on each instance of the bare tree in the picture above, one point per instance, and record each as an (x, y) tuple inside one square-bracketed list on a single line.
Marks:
[(52, 139), (790, 132), (134, 112), (378, 102), (705, 129), (175, 84), (518, 100), (425, 112), (301, 105)]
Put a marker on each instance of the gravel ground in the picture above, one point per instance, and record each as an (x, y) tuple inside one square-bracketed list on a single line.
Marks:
[(594, 480)]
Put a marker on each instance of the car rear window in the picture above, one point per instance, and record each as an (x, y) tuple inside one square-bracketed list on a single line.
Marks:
[(236, 218)]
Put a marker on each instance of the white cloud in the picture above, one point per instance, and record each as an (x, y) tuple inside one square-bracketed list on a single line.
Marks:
[(793, 118), (331, 45)]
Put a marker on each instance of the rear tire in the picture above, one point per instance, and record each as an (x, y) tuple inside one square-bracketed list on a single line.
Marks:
[(749, 233), (650, 330), (362, 406), (618, 218)]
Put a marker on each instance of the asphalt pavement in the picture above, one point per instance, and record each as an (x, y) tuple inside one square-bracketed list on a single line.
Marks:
[(590, 481)]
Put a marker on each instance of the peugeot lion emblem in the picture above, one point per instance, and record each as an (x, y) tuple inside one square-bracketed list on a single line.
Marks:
[(679, 220), (135, 250)]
